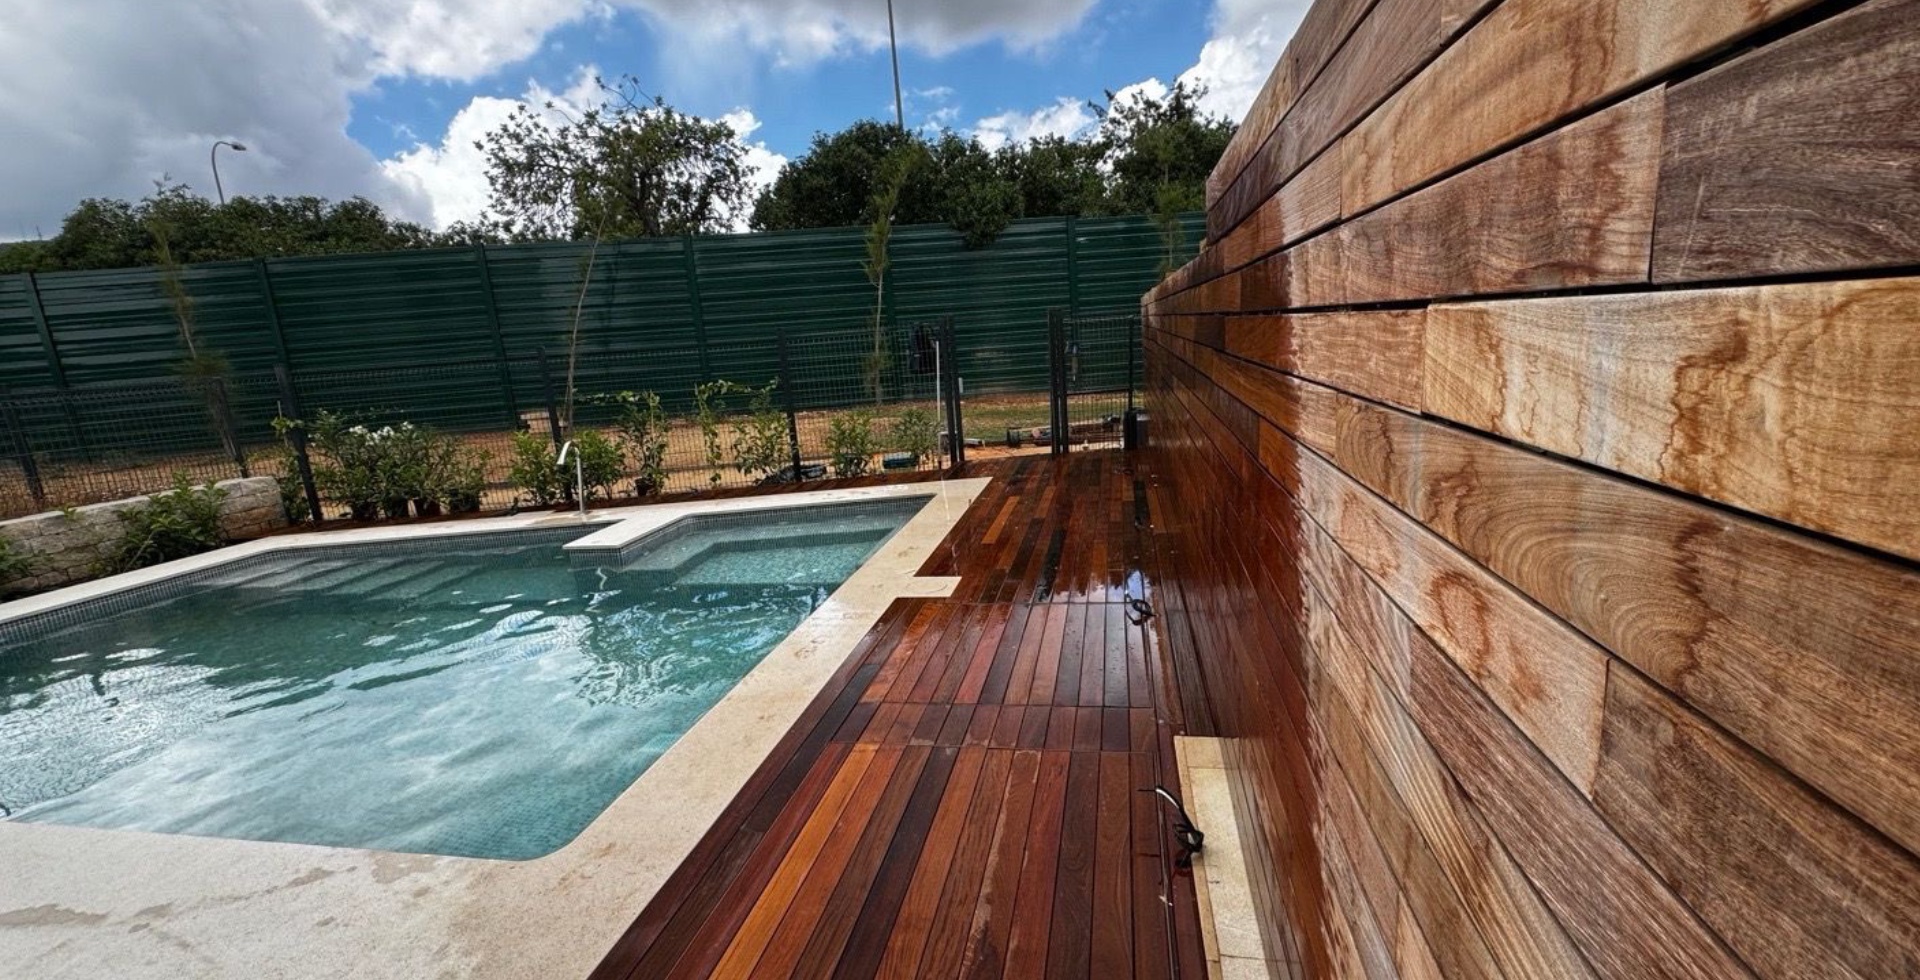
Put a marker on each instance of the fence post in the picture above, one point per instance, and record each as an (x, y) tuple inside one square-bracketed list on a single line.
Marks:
[(290, 404), (553, 407), (692, 262), (950, 380), (229, 429), (17, 434), (1057, 380), (499, 339), (1133, 345), (273, 309), (793, 419), (1073, 266)]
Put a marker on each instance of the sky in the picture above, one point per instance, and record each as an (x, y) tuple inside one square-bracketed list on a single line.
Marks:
[(384, 98)]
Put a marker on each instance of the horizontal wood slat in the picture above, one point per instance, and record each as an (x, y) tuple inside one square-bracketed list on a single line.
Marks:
[(1526, 65), (1799, 157), (1533, 461), (1795, 401)]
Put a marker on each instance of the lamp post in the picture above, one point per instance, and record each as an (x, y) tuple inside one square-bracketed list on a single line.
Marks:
[(899, 114), (213, 158)]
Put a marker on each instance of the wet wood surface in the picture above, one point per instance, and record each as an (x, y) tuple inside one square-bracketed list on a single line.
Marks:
[(1535, 507), (965, 797)]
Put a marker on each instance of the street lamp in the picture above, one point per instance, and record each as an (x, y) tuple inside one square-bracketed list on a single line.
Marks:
[(899, 114), (213, 158)]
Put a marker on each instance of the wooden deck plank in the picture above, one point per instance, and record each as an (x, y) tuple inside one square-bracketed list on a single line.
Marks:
[(916, 819)]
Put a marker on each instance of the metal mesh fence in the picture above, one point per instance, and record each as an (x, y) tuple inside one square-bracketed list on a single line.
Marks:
[(484, 434), (1099, 371)]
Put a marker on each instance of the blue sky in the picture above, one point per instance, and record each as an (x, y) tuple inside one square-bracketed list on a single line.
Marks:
[(383, 98), (1120, 44)]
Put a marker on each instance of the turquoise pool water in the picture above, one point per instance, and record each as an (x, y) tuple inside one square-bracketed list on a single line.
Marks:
[(484, 696)]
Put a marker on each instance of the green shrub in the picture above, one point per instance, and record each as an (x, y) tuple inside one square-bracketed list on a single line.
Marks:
[(760, 438), (461, 483), (601, 463), (913, 432), (179, 522), (535, 472), (644, 427), (850, 442)]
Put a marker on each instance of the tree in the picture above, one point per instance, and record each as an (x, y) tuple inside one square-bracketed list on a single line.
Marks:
[(833, 184), (1057, 176), (630, 167), (1160, 151), (106, 233)]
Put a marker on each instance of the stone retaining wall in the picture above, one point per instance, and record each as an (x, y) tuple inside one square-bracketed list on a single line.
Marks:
[(67, 546)]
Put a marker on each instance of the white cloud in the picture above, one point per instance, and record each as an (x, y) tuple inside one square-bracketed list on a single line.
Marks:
[(763, 165), (105, 95), (1248, 38), (453, 39), (1066, 117)]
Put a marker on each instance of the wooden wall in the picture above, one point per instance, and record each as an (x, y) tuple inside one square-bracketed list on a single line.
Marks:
[(1536, 455)]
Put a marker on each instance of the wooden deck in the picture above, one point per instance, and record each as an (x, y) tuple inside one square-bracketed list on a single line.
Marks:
[(965, 797)]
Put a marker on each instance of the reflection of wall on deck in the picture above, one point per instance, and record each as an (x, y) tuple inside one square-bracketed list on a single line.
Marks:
[(1538, 466)]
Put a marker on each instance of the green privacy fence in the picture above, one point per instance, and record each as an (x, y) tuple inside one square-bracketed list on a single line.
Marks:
[(714, 301)]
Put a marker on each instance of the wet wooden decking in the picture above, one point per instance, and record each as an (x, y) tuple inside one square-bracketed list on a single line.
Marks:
[(965, 797)]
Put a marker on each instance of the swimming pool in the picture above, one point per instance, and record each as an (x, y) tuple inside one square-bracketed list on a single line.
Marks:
[(480, 696)]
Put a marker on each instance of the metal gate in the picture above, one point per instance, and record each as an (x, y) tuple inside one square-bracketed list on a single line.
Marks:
[(1094, 362)]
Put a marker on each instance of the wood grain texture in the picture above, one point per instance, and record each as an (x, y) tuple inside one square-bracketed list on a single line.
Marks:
[(1795, 886), (1632, 927), (1524, 66), (1386, 47), (1377, 355), (1809, 652), (1797, 401), (1306, 203), (1521, 934), (1799, 157), (1544, 676), (1572, 208)]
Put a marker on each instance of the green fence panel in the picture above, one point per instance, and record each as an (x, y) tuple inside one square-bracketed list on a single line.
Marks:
[(657, 314), (23, 358)]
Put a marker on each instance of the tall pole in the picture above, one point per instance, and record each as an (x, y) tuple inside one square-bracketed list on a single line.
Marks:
[(213, 160), (893, 46)]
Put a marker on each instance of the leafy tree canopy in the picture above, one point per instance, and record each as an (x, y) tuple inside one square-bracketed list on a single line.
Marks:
[(1147, 156), (630, 167), (104, 233)]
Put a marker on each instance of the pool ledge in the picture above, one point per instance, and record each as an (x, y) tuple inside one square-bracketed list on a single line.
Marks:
[(82, 902)]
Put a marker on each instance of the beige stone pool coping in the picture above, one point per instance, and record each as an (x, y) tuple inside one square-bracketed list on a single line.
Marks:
[(78, 901), (1228, 927)]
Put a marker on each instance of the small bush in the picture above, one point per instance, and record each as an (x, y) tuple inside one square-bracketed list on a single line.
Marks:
[(760, 438), (644, 427), (460, 485), (914, 432), (535, 471), (179, 522), (601, 463), (850, 443)]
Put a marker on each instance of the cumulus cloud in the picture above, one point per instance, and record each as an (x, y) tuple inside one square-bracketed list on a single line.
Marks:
[(106, 95), (1248, 37), (1066, 117)]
